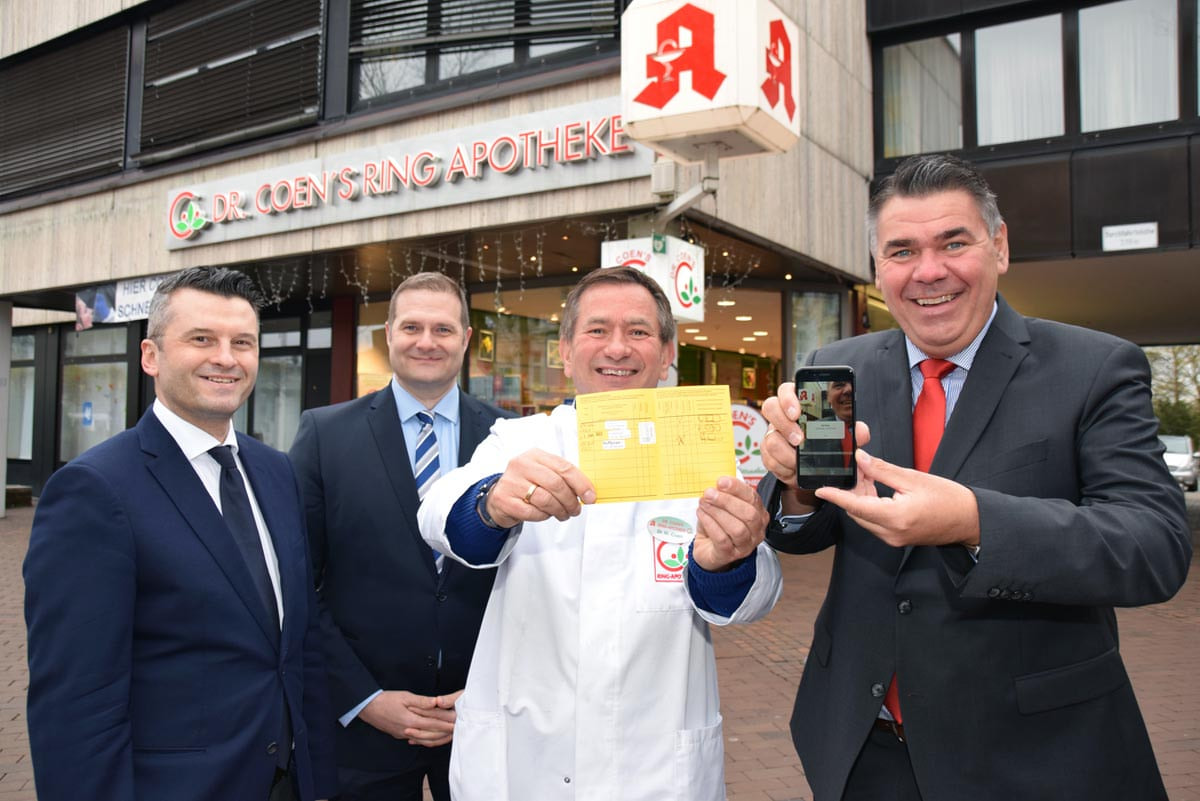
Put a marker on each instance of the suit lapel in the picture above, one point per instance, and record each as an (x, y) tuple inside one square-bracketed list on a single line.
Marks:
[(388, 434), (999, 356), (179, 481), (384, 422), (890, 419), (473, 426)]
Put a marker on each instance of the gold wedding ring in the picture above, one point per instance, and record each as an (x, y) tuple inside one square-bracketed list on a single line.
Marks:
[(529, 493)]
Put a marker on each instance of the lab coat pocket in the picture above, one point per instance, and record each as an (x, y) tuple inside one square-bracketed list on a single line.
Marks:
[(478, 753), (700, 764)]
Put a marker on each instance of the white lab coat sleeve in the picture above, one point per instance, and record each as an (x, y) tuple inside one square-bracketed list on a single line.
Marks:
[(763, 593), (489, 458)]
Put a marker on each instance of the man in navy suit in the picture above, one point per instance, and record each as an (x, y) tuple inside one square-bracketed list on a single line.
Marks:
[(1012, 492), (399, 624), (173, 645)]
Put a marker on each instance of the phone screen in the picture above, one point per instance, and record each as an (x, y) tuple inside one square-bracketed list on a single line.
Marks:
[(827, 415)]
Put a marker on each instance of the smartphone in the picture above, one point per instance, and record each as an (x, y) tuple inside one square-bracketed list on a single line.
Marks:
[(827, 415)]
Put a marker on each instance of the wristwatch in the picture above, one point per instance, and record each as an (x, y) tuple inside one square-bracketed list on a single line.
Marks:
[(481, 505)]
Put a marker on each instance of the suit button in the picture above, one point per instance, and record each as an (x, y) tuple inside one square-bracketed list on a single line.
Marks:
[(994, 592), (441, 596), (904, 607), (878, 690), (430, 661), (272, 748)]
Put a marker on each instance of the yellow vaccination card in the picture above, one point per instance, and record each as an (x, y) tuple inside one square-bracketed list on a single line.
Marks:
[(646, 444)]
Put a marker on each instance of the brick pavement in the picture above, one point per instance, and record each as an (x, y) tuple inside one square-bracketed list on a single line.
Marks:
[(759, 666)]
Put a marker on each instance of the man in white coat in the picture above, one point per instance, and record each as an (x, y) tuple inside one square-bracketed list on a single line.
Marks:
[(593, 676)]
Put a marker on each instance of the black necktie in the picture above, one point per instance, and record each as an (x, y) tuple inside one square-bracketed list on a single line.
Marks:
[(235, 507)]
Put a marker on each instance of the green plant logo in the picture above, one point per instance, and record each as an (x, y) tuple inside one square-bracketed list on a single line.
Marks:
[(745, 450), (185, 217), (685, 286)]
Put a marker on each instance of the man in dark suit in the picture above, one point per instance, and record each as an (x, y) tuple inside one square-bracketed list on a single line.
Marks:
[(399, 624), (173, 642), (967, 646)]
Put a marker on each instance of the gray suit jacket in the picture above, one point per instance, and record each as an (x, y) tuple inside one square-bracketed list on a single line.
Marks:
[(1012, 685)]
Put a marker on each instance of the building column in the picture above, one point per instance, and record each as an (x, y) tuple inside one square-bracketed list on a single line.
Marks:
[(5, 363)]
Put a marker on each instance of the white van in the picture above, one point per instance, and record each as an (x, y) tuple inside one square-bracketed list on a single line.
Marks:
[(1182, 459)]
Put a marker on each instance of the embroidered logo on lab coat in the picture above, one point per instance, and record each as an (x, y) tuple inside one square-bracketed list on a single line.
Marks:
[(670, 537)]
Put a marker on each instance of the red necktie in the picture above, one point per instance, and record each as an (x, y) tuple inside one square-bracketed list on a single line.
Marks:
[(929, 420)]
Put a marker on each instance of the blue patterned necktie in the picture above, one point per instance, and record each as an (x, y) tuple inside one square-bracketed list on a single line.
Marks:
[(426, 468)]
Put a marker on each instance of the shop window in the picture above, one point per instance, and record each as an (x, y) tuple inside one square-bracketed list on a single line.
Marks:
[(372, 370), (276, 403), (94, 379), (277, 400), (816, 321), (922, 96), (403, 48), (1128, 64), (513, 360), (20, 398), (1019, 80)]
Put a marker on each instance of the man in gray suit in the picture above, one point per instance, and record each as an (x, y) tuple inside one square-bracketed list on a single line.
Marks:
[(399, 624), (967, 646)]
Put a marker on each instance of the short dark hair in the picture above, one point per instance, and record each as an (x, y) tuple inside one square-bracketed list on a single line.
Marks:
[(430, 282), (618, 275), (214, 280), (920, 176)]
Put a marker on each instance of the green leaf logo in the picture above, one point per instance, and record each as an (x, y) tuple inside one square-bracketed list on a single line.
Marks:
[(190, 220)]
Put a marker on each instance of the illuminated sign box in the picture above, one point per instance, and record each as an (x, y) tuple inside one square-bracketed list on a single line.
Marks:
[(710, 72), (676, 265)]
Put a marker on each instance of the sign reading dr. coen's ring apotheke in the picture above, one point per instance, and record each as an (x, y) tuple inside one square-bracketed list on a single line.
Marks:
[(555, 149)]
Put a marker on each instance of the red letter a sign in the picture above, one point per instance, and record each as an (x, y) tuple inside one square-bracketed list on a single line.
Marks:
[(664, 66)]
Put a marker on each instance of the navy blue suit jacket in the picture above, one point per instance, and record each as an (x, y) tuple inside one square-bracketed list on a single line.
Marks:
[(386, 612), (154, 670)]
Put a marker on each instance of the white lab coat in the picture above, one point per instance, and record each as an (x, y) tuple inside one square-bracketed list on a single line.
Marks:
[(594, 676)]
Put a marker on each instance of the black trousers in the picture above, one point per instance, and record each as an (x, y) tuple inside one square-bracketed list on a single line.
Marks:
[(882, 772), (283, 788), (366, 785)]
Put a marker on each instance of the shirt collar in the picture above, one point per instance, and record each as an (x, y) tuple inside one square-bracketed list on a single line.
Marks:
[(407, 405), (191, 439), (964, 358)]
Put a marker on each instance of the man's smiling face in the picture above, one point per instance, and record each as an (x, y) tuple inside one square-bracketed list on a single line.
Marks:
[(938, 268), (617, 342)]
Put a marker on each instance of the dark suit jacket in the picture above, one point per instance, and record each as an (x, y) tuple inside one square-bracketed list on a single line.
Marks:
[(385, 610), (1011, 682), (155, 672)]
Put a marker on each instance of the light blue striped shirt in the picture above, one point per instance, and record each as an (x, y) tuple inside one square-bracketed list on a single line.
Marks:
[(445, 424)]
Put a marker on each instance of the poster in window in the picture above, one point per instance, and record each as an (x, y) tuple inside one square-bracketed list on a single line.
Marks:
[(487, 345), (553, 357)]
